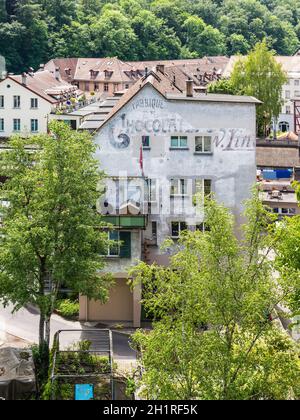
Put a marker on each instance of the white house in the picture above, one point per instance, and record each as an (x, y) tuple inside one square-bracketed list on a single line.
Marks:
[(27, 100)]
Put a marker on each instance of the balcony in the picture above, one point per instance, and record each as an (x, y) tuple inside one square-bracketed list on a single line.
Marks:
[(126, 222)]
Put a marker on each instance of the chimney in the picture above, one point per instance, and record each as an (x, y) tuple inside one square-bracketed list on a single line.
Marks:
[(146, 71), (24, 79), (161, 68), (189, 88), (42, 66), (57, 73)]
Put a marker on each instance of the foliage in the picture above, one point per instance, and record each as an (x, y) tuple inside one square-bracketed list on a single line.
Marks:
[(222, 86), (67, 308), (50, 231), (146, 29), (212, 307), (259, 75), (75, 362)]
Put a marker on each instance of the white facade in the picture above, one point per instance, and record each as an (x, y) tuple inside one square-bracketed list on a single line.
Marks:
[(290, 92), (22, 119), (171, 163)]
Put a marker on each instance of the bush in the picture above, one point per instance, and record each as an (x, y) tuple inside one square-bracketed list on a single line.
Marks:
[(67, 308)]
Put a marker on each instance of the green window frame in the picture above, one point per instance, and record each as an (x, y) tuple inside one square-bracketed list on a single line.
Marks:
[(125, 247), (16, 124), (179, 142)]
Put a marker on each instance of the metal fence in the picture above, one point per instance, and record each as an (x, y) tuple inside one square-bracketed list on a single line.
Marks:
[(80, 356)]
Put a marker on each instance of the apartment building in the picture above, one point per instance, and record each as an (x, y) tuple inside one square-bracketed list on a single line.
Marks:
[(161, 147), (27, 100)]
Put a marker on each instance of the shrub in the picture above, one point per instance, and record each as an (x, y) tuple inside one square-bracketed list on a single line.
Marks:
[(67, 308)]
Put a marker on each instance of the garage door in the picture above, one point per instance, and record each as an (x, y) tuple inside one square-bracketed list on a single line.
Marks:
[(119, 306)]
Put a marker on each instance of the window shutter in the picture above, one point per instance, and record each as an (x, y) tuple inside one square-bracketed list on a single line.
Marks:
[(125, 249)]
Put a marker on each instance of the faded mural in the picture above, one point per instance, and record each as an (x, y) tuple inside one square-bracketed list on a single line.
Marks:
[(149, 116)]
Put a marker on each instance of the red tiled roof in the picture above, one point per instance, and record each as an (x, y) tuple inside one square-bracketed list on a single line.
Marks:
[(44, 84)]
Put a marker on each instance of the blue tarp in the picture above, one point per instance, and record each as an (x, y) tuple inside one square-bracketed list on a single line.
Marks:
[(84, 392), (276, 173)]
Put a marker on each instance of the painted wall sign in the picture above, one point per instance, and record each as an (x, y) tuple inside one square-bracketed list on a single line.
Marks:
[(149, 116)]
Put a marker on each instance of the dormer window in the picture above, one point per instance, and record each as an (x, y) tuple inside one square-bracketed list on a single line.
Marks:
[(94, 73), (107, 73)]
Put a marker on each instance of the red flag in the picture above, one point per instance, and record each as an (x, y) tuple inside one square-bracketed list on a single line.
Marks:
[(141, 160)]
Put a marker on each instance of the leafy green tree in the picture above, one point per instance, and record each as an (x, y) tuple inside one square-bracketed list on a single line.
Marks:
[(11, 37), (212, 307), (202, 38), (59, 12), (29, 14), (154, 40), (72, 41), (261, 76), (288, 256), (208, 10), (223, 86), (50, 234), (3, 12), (112, 35), (237, 44)]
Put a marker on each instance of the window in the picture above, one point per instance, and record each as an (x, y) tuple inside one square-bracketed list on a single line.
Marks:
[(282, 210), (146, 142), (179, 142), (96, 87), (287, 94), (284, 126), (296, 82), (114, 248), (288, 109), (203, 144), (203, 186), (34, 126), (297, 93), (178, 187), (154, 230), (202, 227), (122, 246), (87, 86), (152, 190), (16, 124), (1, 101), (126, 86), (33, 103), (17, 101), (177, 228), (105, 87), (1, 124)]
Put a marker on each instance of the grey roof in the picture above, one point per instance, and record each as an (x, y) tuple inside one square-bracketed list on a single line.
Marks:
[(81, 112), (95, 117), (214, 97), (90, 125)]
